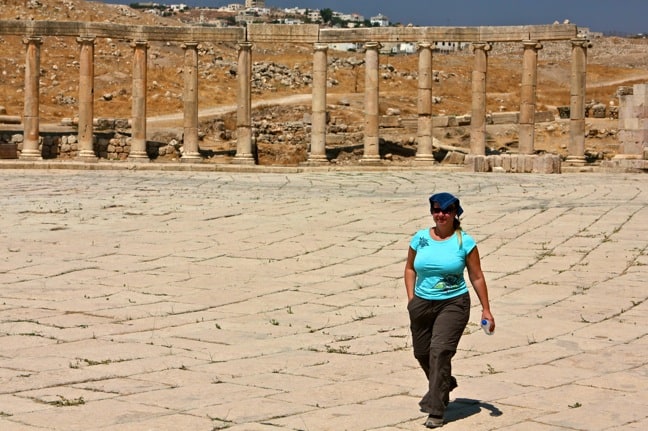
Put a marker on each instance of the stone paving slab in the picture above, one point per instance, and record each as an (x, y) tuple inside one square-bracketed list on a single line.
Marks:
[(257, 301)]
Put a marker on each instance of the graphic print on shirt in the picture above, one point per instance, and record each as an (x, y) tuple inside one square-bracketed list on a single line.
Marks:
[(423, 242), (448, 282)]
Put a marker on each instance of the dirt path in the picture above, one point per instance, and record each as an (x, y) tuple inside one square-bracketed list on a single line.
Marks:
[(206, 114)]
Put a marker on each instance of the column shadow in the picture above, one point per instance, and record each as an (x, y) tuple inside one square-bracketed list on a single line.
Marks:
[(461, 408)]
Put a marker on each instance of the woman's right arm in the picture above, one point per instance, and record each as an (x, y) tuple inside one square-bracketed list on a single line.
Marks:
[(410, 274)]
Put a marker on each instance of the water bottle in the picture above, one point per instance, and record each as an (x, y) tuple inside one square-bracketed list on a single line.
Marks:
[(485, 324)]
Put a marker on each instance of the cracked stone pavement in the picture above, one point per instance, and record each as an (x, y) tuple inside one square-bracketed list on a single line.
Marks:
[(157, 300)]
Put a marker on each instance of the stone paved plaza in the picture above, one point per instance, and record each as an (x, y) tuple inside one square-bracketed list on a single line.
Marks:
[(156, 300)]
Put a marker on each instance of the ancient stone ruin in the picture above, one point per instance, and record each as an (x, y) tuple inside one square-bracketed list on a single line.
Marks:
[(90, 145)]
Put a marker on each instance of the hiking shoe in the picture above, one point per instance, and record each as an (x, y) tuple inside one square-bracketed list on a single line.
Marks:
[(453, 383), (434, 421)]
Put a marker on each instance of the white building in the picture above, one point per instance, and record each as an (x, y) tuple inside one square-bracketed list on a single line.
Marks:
[(380, 20), (352, 17), (232, 7), (448, 46), (254, 3), (314, 15)]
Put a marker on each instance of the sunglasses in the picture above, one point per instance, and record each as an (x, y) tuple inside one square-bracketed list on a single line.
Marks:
[(444, 211)]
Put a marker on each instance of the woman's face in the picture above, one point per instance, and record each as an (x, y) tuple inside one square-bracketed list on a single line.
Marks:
[(443, 216)]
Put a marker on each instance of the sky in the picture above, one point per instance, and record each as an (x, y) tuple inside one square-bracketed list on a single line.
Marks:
[(608, 16)]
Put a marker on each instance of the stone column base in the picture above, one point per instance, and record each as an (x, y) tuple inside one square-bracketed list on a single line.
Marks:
[(317, 160), (138, 157), (191, 158), (370, 160), (30, 155), (427, 159), (87, 156), (243, 159), (575, 161)]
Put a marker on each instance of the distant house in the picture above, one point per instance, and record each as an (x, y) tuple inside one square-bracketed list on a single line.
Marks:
[(448, 46), (347, 46), (379, 20), (314, 15), (232, 7), (178, 7), (353, 17)]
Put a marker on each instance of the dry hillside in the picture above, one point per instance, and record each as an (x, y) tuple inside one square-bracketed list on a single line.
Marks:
[(612, 62)]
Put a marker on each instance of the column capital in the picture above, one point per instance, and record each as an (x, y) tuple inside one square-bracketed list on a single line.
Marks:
[(34, 40), (372, 46), (482, 46), (532, 44), (320, 47), (245, 46), (86, 40), (139, 44), (189, 45), (581, 43), (424, 45)]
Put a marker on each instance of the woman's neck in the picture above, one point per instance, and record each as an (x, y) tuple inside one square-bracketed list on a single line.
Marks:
[(443, 233)]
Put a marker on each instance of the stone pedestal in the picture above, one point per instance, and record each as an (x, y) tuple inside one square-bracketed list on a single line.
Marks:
[(633, 122)]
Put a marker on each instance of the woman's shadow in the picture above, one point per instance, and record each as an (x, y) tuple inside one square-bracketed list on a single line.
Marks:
[(461, 408)]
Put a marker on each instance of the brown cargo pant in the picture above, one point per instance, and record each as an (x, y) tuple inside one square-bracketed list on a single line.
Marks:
[(436, 328)]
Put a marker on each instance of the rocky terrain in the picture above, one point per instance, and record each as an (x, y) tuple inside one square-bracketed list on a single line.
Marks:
[(282, 79)]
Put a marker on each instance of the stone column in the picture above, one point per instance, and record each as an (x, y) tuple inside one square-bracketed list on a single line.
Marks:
[(31, 118), (372, 120), (244, 106), (424, 127), (190, 100), (317, 154), (576, 148), (478, 116), (528, 96), (138, 121), (86, 99)]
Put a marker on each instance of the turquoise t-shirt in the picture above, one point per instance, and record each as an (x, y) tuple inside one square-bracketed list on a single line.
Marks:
[(440, 265)]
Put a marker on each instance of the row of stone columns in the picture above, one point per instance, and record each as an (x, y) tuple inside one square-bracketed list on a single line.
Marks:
[(317, 153)]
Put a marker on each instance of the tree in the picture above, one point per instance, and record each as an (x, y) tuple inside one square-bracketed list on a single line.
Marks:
[(327, 15)]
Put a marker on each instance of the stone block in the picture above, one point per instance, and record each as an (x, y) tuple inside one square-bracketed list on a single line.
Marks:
[(9, 151), (506, 162), (389, 121), (528, 162), (495, 161), (504, 117), (476, 163), (544, 117), (442, 121), (454, 158), (463, 120)]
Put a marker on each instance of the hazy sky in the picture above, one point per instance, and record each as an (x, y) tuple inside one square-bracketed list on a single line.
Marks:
[(619, 16)]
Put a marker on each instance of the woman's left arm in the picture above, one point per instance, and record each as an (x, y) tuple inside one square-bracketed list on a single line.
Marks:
[(476, 275)]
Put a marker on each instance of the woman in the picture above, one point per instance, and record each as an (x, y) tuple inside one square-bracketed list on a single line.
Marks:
[(438, 298)]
